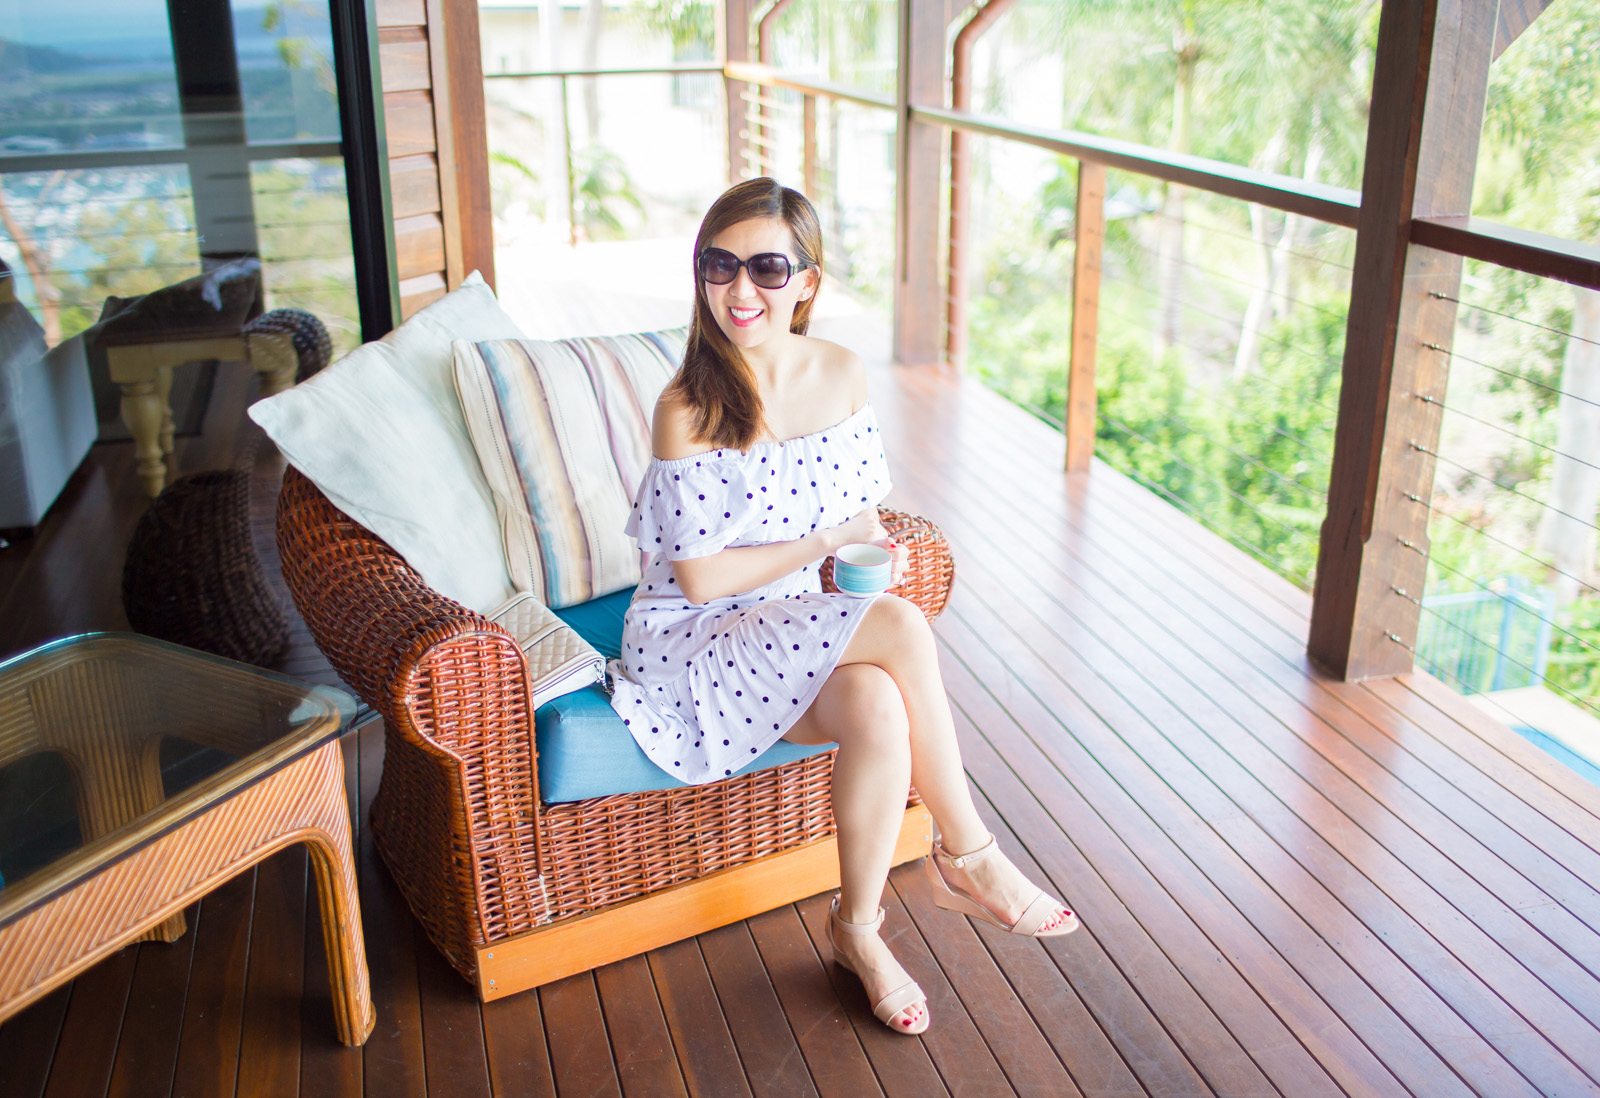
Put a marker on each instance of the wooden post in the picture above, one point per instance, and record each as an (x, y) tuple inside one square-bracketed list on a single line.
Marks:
[(764, 53), (960, 230), (733, 44), (808, 155), (1089, 228), (464, 163), (1428, 90), (918, 298)]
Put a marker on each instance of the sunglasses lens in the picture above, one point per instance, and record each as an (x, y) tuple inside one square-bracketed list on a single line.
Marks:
[(718, 267), (769, 270)]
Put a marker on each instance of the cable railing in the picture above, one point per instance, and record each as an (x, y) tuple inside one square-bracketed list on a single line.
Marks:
[(1513, 529), (782, 115)]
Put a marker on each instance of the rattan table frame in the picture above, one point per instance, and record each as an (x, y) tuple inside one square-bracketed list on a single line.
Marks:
[(134, 883)]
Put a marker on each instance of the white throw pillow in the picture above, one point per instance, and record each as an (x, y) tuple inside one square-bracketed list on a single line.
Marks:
[(381, 433)]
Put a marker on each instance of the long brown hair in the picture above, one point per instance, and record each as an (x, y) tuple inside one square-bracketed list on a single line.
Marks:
[(715, 381)]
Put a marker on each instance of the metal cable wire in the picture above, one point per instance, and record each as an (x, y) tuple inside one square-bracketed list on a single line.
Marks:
[(1199, 516), (1257, 376), (1308, 489), (1233, 403), (1480, 585), (1512, 374), (1508, 316), (1247, 239), (1520, 552), (1203, 476), (1509, 658), (1241, 282), (1228, 321), (1503, 487), (1505, 430), (15, 202)]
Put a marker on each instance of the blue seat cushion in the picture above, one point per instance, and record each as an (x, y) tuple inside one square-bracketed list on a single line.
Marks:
[(584, 748)]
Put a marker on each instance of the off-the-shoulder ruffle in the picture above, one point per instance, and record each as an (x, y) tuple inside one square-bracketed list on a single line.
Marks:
[(693, 506)]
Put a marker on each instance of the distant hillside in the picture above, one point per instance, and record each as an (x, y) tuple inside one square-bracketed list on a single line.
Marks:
[(20, 57)]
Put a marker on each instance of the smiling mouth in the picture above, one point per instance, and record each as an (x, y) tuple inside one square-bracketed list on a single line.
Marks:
[(743, 316)]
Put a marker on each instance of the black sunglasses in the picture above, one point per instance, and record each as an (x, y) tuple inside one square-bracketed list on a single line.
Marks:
[(769, 270)]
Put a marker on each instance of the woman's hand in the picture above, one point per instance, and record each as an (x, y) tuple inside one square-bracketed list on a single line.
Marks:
[(899, 559), (863, 527)]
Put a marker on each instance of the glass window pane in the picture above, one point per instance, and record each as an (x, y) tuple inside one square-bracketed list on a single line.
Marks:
[(87, 74), (285, 53)]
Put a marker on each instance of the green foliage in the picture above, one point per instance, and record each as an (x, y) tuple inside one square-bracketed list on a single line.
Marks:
[(1573, 667), (688, 23), (303, 229), (601, 186)]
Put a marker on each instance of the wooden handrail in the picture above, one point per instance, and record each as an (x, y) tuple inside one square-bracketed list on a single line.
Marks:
[(649, 70), (765, 74), (1519, 249), (1335, 205), (1474, 238)]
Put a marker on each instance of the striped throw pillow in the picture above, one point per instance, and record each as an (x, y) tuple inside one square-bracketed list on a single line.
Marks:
[(562, 430)]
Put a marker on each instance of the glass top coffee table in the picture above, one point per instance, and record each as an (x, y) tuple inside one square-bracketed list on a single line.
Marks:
[(136, 776)]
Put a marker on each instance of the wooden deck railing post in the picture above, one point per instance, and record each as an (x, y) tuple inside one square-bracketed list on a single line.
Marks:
[(765, 50), (808, 150), (986, 15), (1089, 229), (919, 81), (733, 44), (1429, 84)]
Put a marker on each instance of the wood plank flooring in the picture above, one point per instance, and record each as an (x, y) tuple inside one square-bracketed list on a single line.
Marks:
[(1290, 886)]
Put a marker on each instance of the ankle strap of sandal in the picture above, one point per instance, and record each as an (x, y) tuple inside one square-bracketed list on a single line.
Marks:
[(964, 860), (854, 928)]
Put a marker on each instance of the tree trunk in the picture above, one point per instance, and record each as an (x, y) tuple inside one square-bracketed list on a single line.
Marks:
[(593, 17), (1569, 542), (1259, 313), (1169, 258), (37, 264), (557, 172)]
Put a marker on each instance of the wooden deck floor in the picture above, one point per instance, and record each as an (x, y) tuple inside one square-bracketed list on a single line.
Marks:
[(1289, 886)]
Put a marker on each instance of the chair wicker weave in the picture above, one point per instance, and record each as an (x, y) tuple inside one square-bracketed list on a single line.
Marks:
[(192, 575), (457, 816)]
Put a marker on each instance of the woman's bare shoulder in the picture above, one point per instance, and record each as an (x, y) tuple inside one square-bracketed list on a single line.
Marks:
[(841, 368), (672, 428)]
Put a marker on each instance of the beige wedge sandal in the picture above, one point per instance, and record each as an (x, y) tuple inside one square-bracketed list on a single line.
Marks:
[(942, 867), (907, 994)]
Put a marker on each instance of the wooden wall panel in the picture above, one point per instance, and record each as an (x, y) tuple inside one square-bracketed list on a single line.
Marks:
[(438, 149), (419, 245), (402, 13), (408, 120), (414, 185), (403, 57), (419, 291)]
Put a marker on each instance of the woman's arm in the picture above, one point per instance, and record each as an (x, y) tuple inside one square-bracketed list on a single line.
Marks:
[(747, 567)]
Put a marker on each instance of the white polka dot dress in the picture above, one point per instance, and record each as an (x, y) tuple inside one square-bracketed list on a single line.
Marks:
[(705, 689)]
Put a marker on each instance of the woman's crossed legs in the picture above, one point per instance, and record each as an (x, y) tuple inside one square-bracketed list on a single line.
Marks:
[(885, 706)]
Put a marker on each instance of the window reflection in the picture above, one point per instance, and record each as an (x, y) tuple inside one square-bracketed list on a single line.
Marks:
[(153, 152)]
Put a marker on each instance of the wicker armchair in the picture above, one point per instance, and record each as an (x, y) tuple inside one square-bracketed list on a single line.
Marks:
[(514, 892)]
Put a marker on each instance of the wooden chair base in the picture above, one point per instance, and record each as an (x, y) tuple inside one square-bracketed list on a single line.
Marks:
[(623, 930)]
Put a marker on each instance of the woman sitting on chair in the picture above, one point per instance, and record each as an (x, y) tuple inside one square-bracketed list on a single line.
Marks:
[(767, 458)]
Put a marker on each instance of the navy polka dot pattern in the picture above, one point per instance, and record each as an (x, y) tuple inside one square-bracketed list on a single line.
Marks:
[(756, 659)]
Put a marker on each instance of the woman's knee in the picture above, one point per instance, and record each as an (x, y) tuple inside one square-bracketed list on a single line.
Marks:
[(898, 621), (870, 710)]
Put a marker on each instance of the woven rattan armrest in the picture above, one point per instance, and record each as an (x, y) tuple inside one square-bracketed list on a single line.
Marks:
[(452, 687)]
